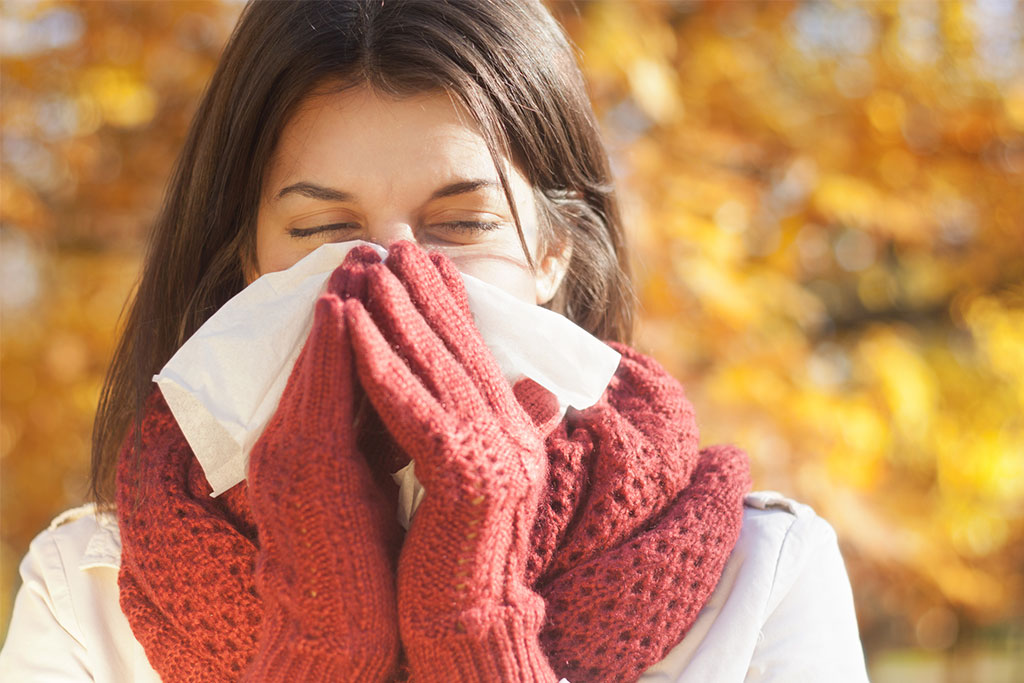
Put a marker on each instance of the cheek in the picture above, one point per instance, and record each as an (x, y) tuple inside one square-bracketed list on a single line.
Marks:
[(506, 272), (500, 261), (275, 251)]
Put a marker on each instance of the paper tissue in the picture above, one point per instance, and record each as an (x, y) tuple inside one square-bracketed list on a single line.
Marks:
[(224, 383)]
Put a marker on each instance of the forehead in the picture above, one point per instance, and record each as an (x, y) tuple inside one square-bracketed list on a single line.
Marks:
[(360, 134)]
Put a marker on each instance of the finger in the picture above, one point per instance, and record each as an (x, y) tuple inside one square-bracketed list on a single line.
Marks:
[(407, 408), (440, 306), (319, 390), (312, 422), (363, 253), (348, 280), (452, 279), (427, 356), (539, 403), (430, 293)]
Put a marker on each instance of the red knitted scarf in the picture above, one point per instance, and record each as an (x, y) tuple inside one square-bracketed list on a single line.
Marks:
[(631, 536)]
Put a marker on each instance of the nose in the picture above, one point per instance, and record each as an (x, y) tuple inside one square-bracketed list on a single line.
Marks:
[(389, 232)]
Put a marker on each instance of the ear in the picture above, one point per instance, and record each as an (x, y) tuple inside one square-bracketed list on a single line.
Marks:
[(552, 270)]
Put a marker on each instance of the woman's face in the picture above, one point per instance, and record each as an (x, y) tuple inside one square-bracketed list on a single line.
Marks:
[(356, 165)]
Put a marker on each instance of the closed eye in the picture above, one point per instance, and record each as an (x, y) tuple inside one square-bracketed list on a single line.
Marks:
[(469, 226), (461, 227), (318, 229)]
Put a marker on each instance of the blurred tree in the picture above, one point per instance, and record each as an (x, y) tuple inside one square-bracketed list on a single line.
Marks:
[(96, 98), (826, 205), (829, 219)]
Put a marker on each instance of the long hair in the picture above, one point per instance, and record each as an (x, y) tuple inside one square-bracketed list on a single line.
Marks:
[(507, 61)]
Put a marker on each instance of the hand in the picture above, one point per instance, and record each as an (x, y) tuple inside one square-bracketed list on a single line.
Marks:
[(327, 534), (464, 609)]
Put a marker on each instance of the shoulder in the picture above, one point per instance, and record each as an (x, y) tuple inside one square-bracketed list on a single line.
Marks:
[(782, 607), (784, 544), (66, 607), (83, 537), (808, 629), (781, 534), (67, 622), (780, 540), (79, 539)]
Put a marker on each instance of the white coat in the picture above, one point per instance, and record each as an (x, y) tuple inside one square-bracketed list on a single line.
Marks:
[(782, 611)]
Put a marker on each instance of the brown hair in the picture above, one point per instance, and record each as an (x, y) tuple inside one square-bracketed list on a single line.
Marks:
[(507, 61)]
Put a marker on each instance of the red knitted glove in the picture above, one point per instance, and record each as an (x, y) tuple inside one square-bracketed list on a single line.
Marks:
[(465, 612), (328, 537)]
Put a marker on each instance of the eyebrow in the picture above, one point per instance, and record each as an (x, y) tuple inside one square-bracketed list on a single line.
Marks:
[(329, 194), (313, 191), (464, 187)]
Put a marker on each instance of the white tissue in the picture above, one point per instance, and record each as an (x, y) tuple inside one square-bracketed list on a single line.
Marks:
[(224, 383)]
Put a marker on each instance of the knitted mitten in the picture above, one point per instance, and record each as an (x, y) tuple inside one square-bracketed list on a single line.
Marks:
[(465, 611), (327, 535)]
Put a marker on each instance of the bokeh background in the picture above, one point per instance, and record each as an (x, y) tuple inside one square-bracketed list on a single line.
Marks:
[(827, 205)]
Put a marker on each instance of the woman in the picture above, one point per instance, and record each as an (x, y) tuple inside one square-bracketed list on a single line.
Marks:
[(601, 546)]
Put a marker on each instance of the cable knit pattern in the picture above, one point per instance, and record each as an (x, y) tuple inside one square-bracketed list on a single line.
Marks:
[(581, 548)]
